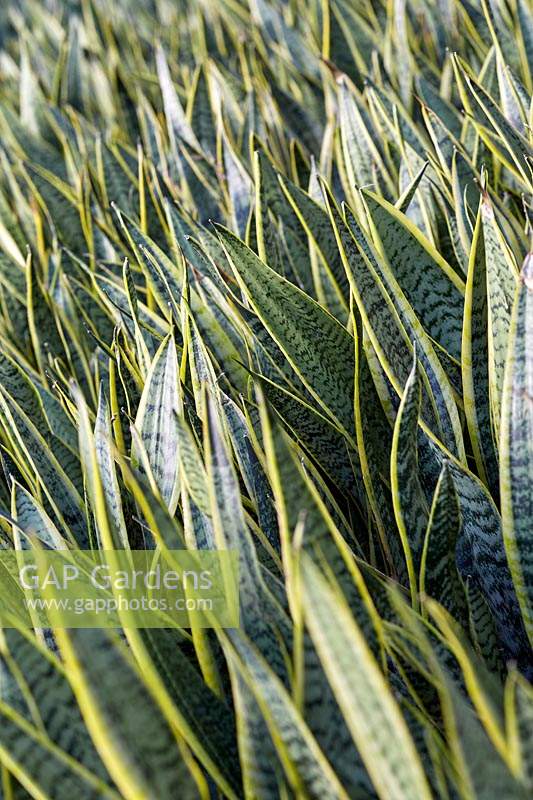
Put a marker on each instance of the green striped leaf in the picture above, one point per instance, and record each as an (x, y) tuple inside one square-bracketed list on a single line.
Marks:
[(501, 287), (475, 367), (104, 443), (134, 739), (57, 486), (370, 710), (516, 446), (33, 520), (306, 768), (439, 577), (409, 502), (392, 327), (521, 720), (318, 348), (330, 277), (434, 290), (156, 422), (43, 769), (53, 700)]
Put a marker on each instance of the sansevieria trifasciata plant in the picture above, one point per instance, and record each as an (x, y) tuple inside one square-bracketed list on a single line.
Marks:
[(265, 288)]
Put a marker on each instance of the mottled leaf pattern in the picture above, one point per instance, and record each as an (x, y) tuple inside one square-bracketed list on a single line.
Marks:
[(156, 421), (260, 291), (517, 445)]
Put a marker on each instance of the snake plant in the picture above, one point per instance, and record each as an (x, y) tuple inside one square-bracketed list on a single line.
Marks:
[(265, 287)]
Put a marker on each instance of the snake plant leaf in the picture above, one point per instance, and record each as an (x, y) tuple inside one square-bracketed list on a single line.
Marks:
[(480, 548), (57, 486), (239, 187), (134, 739), (405, 200), (331, 276), (370, 709), (481, 553), (317, 435), (116, 186), (198, 529), (300, 119), (511, 96), (214, 329), (267, 356), (93, 480), (361, 153), (462, 187), (521, 719), (133, 304), (204, 718), (351, 39), (202, 369), (200, 182), (23, 390), (73, 75), (470, 737), (293, 246), (116, 296), (23, 145), (300, 167), (177, 123), (391, 111), (200, 113), (392, 326), (307, 770), (445, 110), (410, 507), (168, 384), (432, 357), (422, 212), (258, 611), (374, 443), (319, 349), (475, 367), (262, 772), (439, 577), (199, 246), (516, 444), (40, 766), (32, 102), (41, 317), (12, 237), (276, 30), (259, 618), (104, 443), (156, 422), (91, 311), (162, 274), (60, 204), (505, 44), (54, 701), (251, 470), (437, 303), (12, 692), (159, 528), (501, 288), (33, 520), (482, 627), (300, 505), (194, 473), (525, 17), (486, 112)]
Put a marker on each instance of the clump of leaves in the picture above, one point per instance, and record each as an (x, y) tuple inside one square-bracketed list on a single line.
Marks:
[(264, 286)]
